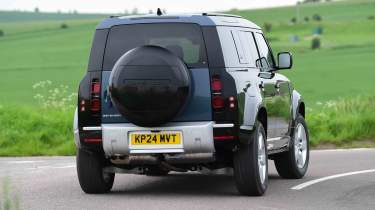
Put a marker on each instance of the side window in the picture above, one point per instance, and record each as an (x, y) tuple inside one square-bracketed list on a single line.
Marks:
[(239, 46), (97, 50), (266, 57), (250, 47)]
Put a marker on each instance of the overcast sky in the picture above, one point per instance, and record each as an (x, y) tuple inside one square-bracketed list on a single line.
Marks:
[(119, 6)]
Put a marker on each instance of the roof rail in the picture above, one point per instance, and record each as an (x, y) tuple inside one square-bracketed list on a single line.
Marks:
[(221, 14)]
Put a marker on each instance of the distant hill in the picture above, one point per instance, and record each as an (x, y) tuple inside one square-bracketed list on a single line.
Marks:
[(35, 47), (18, 16)]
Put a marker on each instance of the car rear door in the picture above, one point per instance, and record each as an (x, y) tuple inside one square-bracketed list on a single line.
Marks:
[(184, 40)]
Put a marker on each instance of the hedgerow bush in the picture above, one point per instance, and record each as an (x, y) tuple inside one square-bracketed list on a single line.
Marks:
[(48, 130)]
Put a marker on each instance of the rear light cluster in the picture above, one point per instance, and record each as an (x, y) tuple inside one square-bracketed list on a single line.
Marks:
[(218, 100), (94, 104), (95, 95), (222, 104)]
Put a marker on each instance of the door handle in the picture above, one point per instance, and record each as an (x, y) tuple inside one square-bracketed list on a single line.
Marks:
[(246, 87)]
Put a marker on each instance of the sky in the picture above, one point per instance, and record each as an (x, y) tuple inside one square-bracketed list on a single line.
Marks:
[(119, 6)]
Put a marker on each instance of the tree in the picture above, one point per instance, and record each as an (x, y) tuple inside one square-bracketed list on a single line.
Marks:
[(317, 17), (63, 26), (135, 11), (267, 27), (315, 43), (293, 20), (36, 10), (1, 33)]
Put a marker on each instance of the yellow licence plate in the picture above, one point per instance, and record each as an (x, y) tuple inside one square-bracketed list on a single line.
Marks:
[(155, 138)]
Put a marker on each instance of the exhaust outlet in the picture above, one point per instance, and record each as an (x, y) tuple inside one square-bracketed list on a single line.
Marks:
[(136, 160), (189, 158)]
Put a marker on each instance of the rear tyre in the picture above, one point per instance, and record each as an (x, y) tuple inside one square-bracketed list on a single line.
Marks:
[(251, 164), (293, 163), (92, 178)]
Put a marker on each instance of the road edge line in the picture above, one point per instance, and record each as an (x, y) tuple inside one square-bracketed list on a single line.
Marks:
[(315, 181)]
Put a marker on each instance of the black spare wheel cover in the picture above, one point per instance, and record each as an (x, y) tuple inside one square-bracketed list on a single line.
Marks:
[(149, 85)]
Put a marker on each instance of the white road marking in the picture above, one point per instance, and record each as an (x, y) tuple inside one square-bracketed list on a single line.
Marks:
[(69, 166), (24, 161), (315, 181), (51, 167), (343, 150)]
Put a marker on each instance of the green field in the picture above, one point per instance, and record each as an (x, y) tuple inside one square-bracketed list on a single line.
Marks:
[(35, 48)]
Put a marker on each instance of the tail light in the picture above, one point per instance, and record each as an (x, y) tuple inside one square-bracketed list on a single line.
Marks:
[(216, 84), (224, 107), (218, 102), (95, 86), (216, 88), (95, 104)]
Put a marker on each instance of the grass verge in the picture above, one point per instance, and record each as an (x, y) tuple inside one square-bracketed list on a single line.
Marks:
[(29, 131), (343, 122)]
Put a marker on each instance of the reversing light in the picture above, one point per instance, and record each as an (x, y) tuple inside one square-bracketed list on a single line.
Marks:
[(82, 106), (231, 102)]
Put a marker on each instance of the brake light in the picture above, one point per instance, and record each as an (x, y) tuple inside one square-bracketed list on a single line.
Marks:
[(95, 87), (216, 85)]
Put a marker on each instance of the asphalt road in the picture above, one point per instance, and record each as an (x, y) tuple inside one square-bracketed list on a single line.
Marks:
[(336, 179)]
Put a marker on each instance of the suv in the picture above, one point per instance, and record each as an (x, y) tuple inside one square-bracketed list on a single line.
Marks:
[(187, 93)]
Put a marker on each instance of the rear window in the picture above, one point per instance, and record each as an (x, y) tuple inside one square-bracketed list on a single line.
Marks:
[(185, 40)]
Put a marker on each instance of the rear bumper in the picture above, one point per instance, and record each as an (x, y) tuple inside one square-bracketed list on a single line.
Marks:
[(197, 138)]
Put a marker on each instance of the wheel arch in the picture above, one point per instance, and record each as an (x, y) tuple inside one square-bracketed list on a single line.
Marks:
[(75, 129), (245, 131), (298, 103), (262, 117)]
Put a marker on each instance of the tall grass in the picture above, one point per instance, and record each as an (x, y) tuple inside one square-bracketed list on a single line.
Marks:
[(48, 131), (35, 131), (343, 121)]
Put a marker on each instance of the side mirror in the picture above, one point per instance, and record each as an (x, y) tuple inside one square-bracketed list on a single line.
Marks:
[(285, 60)]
